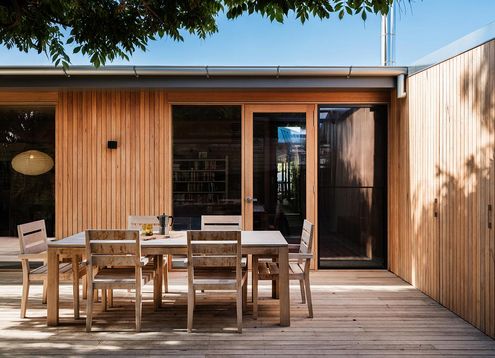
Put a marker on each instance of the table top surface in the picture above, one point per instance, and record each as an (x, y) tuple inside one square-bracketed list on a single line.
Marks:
[(178, 239)]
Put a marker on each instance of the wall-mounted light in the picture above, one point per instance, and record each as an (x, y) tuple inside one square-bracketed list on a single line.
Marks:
[(112, 144), (32, 162)]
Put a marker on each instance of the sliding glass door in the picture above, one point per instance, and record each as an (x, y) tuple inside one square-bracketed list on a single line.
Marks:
[(352, 186)]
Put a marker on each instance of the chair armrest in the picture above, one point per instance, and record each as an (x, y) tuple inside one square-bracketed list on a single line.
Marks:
[(300, 256), (39, 256), (144, 261)]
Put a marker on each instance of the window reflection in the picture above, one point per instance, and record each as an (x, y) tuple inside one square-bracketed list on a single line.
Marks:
[(24, 198), (207, 163), (279, 180), (351, 186)]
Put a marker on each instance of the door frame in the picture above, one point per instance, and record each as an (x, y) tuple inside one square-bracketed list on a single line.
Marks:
[(311, 158)]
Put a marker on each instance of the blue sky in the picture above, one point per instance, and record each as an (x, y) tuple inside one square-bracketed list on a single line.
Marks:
[(422, 27)]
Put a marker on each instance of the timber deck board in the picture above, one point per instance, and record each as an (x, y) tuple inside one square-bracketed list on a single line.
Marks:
[(357, 313)]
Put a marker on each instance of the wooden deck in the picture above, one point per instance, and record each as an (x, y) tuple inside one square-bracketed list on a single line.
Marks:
[(370, 313)]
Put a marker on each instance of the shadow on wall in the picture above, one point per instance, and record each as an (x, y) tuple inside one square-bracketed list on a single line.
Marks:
[(457, 268)]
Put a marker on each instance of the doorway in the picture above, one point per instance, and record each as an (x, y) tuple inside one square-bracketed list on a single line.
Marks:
[(352, 177), (277, 160)]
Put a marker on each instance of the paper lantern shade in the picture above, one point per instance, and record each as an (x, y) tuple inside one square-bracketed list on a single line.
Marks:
[(32, 162)]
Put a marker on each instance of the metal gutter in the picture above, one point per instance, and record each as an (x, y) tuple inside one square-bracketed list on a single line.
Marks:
[(206, 71)]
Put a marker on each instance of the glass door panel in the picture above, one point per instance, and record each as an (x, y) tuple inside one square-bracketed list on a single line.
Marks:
[(279, 172), (206, 163), (352, 186)]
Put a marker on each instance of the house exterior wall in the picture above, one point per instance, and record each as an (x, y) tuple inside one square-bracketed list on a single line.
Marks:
[(442, 183), (97, 187)]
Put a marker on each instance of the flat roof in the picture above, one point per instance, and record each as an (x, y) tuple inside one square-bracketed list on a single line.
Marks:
[(200, 76)]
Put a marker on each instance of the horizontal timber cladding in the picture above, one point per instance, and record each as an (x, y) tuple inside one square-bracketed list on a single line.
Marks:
[(442, 183), (97, 187)]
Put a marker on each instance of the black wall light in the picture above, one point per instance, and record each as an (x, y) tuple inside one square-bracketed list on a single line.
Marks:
[(112, 144)]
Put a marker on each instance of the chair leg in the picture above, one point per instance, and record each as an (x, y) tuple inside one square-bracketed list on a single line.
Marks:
[(239, 310), (25, 295), (275, 285), (244, 295), (190, 309), (44, 293), (303, 297), (85, 287), (255, 287), (110, 298), (104, 299), (89, 309), (165, 275), (308, 295), (75, 285), (139, 308)]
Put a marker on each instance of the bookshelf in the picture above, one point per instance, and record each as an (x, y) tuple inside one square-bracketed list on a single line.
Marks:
[(200, 181)]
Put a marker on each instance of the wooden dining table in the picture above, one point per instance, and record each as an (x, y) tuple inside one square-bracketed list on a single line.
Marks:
[(264, 243)]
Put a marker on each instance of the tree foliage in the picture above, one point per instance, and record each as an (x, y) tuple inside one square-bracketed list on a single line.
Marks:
[(105, 30)]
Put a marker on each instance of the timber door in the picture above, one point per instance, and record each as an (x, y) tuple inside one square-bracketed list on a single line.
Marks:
[(278, 170)]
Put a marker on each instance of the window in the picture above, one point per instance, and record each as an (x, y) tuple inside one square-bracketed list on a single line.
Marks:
[(207, 163), (27, 174)]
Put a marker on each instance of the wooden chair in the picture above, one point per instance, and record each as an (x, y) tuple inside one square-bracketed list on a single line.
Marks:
[(221, 222), (214, 263), (33, 244), (135, 222), (114, 261), (299, 268)]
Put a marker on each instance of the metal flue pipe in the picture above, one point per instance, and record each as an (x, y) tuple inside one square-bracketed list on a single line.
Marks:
[(388, 37)]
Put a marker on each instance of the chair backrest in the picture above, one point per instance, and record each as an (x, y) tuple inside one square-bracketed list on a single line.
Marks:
[(215, 250), (135, 222), (32, 237), (306, 245), (113, 248), (221, 222)]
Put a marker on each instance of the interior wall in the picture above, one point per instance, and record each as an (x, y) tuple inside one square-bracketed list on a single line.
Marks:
[(442, 183)]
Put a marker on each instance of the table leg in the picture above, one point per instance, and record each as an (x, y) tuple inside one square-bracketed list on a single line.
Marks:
[(52, 288), (75, 285), (283, 261), (158, 282)]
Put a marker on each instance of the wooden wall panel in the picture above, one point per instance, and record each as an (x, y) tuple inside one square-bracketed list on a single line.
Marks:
[(99, 187), (444, 142), (20, 97), (399, 197), (281, 96)]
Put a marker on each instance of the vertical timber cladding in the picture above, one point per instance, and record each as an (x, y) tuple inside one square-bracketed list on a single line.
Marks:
[(442, 233), (97, 187)]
